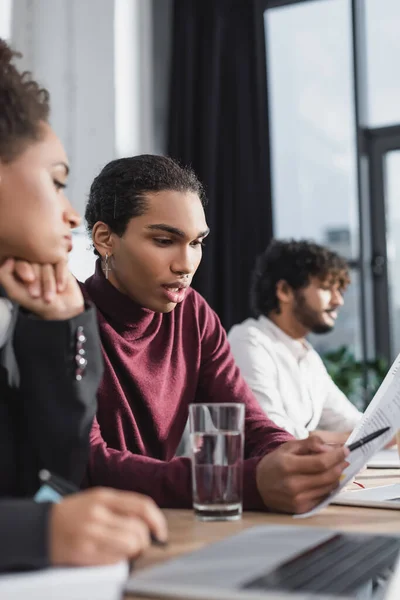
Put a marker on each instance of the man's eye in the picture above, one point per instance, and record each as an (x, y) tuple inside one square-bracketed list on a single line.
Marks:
[(163, 241), (198, 243)]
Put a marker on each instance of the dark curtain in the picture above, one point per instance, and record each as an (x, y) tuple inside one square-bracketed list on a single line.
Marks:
[(218, 124)]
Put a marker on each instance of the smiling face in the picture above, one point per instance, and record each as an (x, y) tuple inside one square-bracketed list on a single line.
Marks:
[(35, 215), (155, 259), (315, 306)]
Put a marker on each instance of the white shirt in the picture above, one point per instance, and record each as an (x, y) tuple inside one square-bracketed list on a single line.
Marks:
[(290, 380), (5, 319)]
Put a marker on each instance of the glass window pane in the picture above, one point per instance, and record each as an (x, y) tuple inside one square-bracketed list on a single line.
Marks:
[(5, 19), (313, 153), (392, 197), (383, 51)]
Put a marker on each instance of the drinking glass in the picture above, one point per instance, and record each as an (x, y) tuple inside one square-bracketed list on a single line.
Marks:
[(217, 441)]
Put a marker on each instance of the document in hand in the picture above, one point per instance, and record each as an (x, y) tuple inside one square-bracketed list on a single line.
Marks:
[(383, 411)]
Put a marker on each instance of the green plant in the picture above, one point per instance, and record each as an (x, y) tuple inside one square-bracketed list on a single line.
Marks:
[(357, 380)]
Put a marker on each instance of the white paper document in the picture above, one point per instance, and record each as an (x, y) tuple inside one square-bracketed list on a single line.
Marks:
[(383, 496), (85, 583), (388, 458), (383, 411)]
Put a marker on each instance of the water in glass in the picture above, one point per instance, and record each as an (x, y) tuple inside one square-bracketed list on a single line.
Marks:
[(217, 469)]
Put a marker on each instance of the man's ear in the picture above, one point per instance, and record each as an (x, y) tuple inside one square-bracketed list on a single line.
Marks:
[(102, 239), (284, 292)]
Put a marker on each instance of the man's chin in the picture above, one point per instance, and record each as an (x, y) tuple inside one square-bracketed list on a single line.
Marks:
[(165, 307), (322, 328)]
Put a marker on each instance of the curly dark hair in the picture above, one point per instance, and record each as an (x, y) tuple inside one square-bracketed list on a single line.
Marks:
[(118, 193), (24, 105), (294, 262)]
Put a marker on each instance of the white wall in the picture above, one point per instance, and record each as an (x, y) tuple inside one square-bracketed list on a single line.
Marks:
[(5, 19), (96, 57), (69, 46)]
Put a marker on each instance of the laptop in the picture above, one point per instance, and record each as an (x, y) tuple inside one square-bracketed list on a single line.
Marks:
[(280, 563)]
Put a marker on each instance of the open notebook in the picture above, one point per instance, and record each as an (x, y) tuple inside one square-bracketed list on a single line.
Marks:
[(383, 496)]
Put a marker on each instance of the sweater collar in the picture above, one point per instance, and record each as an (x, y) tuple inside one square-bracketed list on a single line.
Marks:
[(118, 307)]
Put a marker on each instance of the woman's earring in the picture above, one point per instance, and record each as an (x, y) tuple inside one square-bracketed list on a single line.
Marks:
[(106, 266)]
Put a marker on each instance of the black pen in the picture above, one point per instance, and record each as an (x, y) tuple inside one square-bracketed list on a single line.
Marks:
[(57, 483), (367, 438)]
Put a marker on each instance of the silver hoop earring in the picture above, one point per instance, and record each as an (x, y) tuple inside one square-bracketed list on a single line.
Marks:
[(106, 266)]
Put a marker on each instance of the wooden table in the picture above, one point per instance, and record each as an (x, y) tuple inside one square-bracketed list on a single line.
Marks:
[(188, 534)]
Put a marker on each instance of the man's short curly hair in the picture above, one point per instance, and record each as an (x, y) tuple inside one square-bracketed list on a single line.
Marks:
[(23, 106), (294, 262), (119, 192)]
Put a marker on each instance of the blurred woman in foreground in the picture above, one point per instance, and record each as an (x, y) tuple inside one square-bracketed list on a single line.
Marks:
[(50, 363)]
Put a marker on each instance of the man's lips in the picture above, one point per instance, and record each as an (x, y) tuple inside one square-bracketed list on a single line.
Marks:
[(332, 314), (175, 292)]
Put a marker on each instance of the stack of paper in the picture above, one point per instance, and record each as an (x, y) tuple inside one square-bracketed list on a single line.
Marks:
[(388, 458)]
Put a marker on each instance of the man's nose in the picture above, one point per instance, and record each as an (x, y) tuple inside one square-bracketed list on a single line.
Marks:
[(337, 298), (183, 264)]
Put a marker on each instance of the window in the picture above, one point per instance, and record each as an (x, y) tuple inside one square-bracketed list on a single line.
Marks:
[(5, 19), (382, 18), (392, 197), (313, 151)]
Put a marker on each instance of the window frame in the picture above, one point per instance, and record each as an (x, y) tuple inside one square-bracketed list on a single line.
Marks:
[(375, 334)]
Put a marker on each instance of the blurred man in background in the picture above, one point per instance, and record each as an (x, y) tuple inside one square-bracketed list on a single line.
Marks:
[(297, 289)]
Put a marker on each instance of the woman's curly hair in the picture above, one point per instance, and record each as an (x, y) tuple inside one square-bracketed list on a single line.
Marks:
[(294, 262), (23, 106)]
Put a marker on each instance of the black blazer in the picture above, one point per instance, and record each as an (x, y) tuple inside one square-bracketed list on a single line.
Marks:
[(46, 412)]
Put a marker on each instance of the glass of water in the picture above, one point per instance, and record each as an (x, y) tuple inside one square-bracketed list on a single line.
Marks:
[(217, 441)]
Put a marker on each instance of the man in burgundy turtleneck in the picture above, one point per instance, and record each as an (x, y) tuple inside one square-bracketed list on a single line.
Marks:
[(165, 348)]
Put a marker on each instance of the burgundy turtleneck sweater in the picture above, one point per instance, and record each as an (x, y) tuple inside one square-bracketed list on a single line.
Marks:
[(156, 365)]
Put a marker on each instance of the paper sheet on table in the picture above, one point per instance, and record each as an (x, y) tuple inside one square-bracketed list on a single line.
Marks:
[(388, 458), (94, 583), (383, 411)]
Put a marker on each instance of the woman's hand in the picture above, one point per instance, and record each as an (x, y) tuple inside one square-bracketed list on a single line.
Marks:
[(48, 291), (103, 526)]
